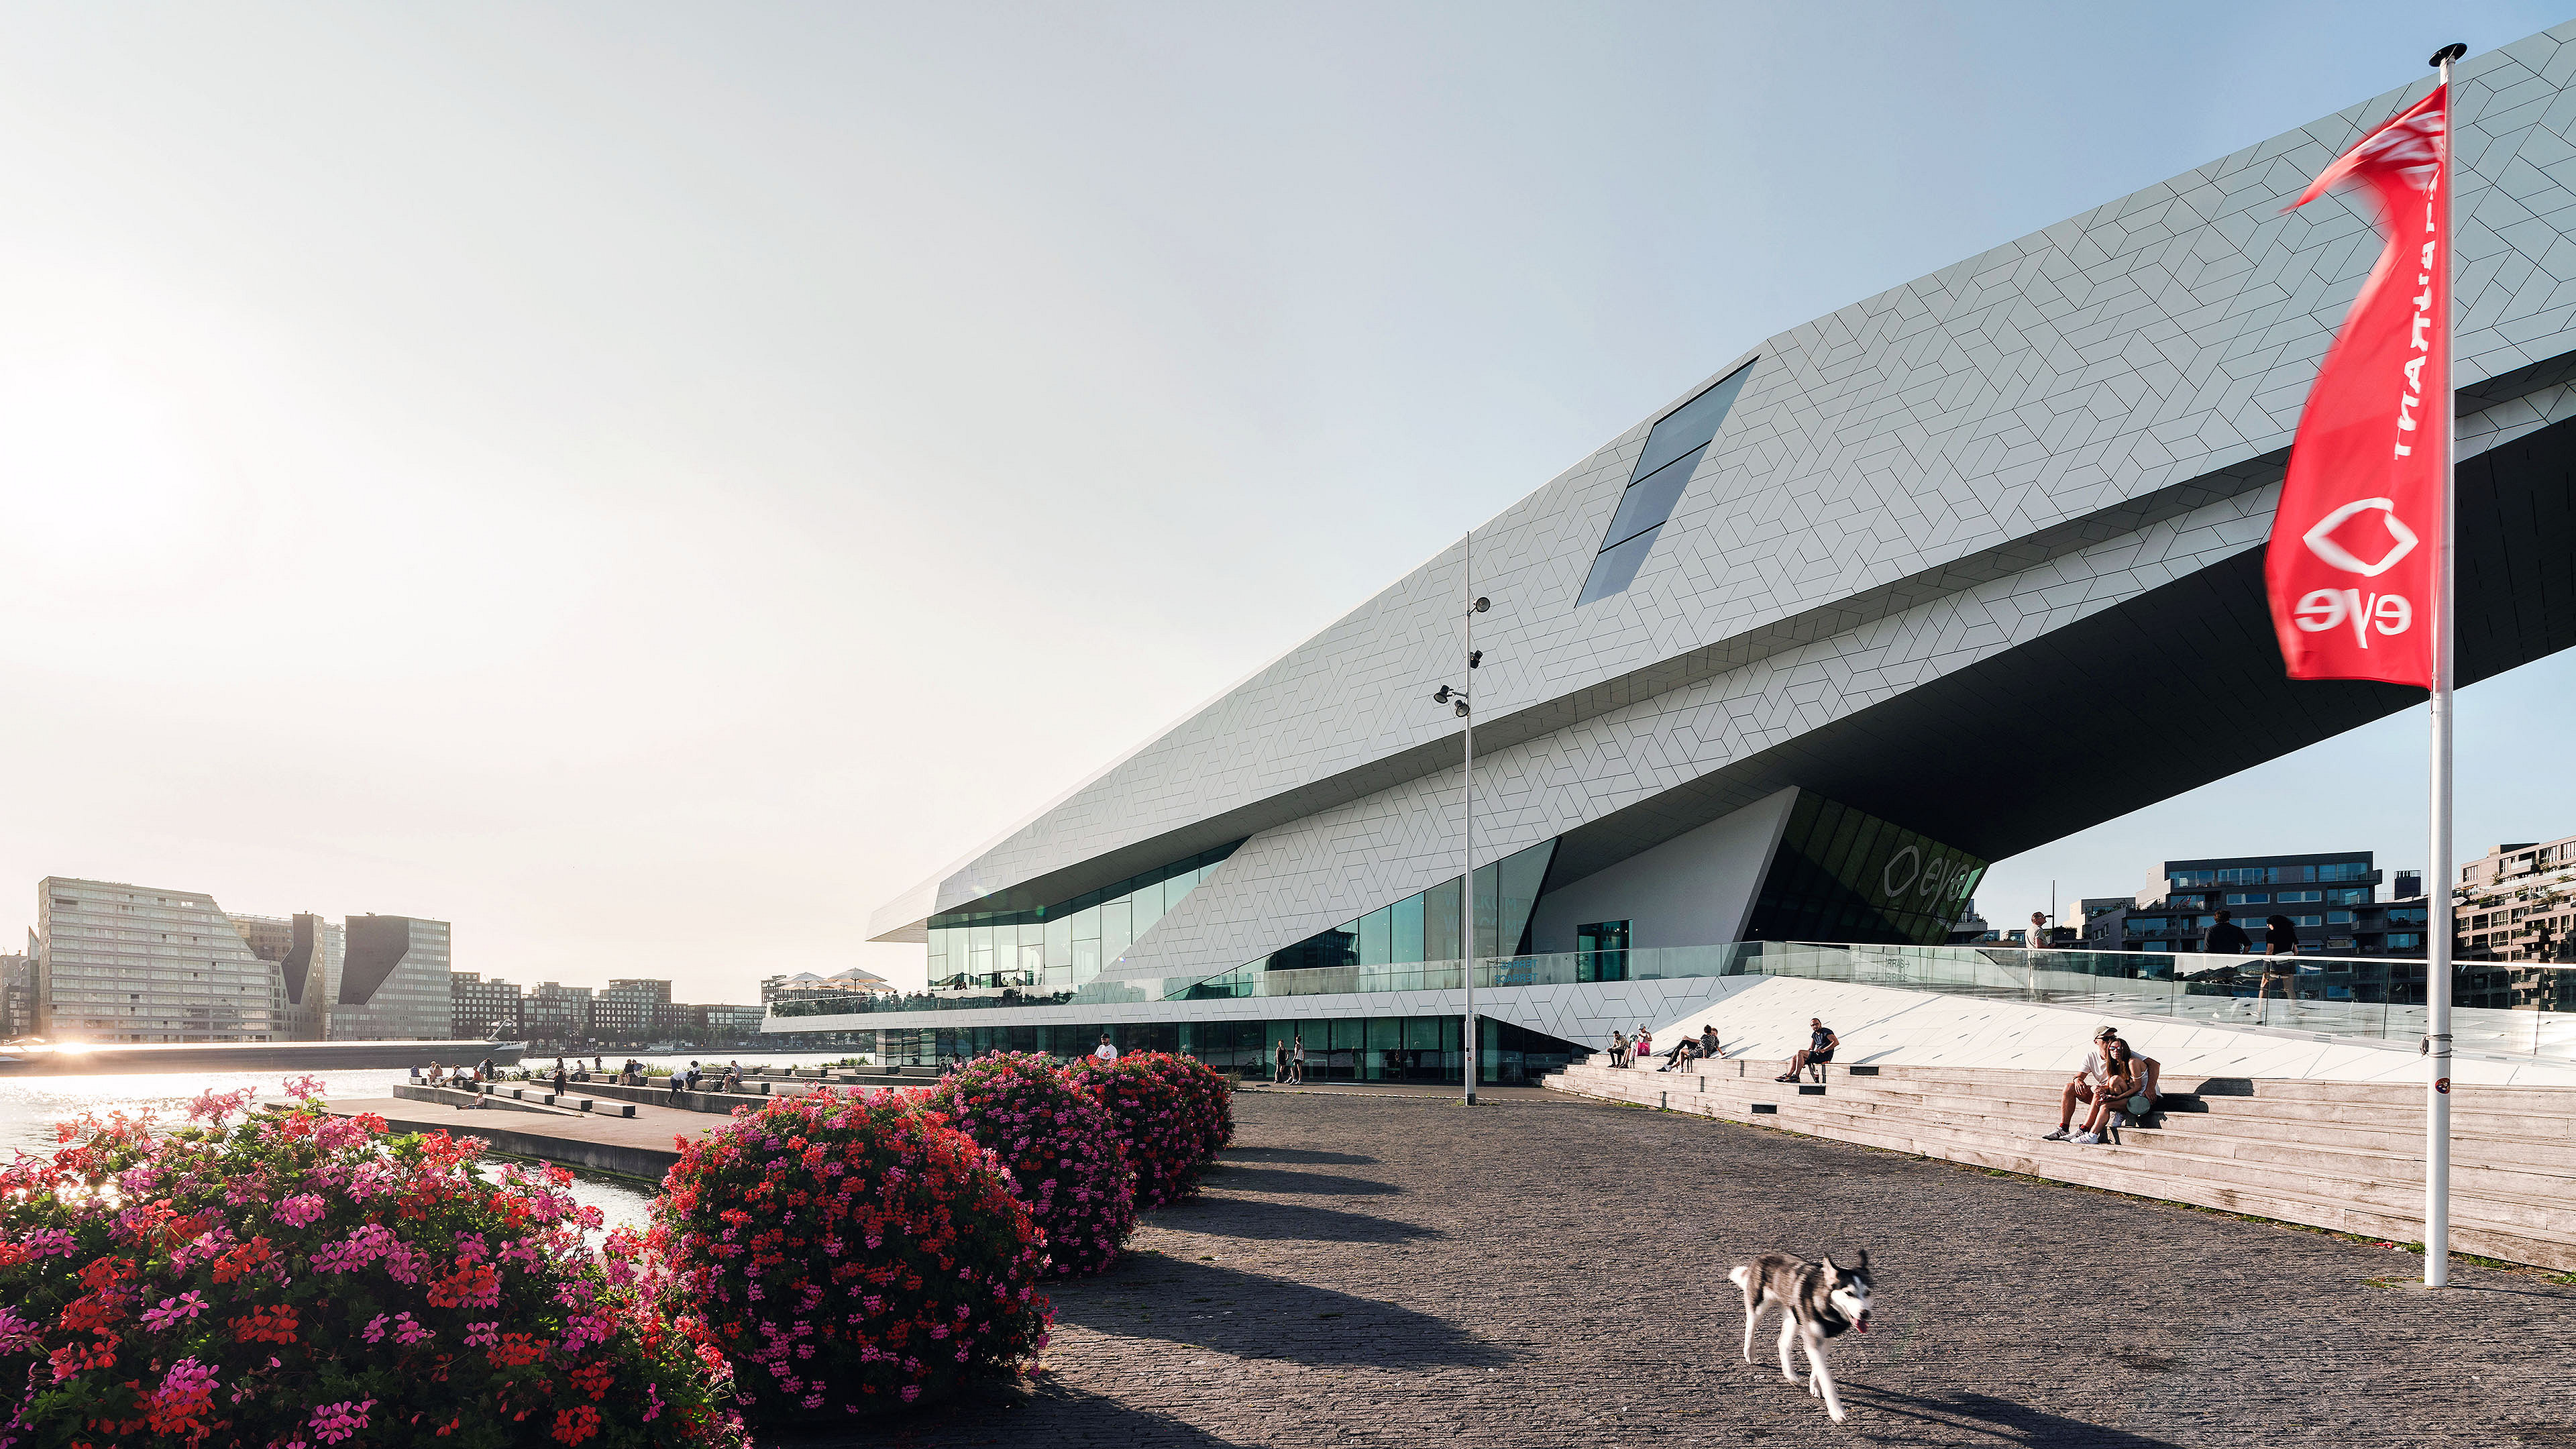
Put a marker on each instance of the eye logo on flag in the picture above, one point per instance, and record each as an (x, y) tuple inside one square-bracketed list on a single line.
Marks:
[(2320, 539), (2370, 453)]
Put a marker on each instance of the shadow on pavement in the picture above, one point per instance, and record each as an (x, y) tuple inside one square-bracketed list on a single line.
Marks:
[(1291, 1222), (2011, 1422), (1253, 1316), (1289, 1154), (1281, 1179), (1012, 1411)]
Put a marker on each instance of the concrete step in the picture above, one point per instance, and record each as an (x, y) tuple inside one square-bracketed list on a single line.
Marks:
[(2540, 1117), (2357, 1199)]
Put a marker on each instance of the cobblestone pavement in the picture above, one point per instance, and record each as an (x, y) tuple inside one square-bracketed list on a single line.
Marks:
[(1407, 1271)]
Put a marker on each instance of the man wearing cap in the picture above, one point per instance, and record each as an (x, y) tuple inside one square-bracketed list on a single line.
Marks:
[(2084, 1084)]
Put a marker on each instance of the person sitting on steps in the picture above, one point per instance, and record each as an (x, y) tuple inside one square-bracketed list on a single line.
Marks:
[(1821, 1043), (2131, 1091), (2086, 1084)]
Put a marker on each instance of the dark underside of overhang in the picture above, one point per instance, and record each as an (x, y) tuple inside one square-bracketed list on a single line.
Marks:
[(2166, 692)]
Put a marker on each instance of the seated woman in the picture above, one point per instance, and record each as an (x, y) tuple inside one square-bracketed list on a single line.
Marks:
[(1682, 1056), (2130, 1088)]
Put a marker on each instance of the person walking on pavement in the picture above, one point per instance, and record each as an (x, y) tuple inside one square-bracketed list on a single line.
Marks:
[(2037, 936), (1279, 1066), (1297, 1061)]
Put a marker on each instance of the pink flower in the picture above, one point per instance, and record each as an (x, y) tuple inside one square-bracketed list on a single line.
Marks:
[(211, 1105), (301, 1210), (304, 1088), (335, 1422), (174, 1310)]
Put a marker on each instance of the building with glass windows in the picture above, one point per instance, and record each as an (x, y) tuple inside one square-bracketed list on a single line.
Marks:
[(1944, 575), (128, 963), (393, 982), (307, 950), (2333, 901)]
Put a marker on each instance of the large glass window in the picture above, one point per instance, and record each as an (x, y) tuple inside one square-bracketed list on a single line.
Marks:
[(1673, 451), (1065, 944), (1842, 875), (1424, 927)]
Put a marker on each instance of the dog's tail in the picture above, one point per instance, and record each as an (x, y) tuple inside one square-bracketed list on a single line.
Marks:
[(1739, 1275)]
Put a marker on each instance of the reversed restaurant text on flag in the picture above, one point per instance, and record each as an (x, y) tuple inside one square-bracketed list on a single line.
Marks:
[(2353, 566)]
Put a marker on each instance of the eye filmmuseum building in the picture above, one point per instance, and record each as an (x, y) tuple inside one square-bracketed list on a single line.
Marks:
[(1936, 578)]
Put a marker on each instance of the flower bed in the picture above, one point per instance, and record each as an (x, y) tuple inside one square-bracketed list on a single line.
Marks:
[(1172, 1125), (1210, 1102), (847, 1253), (302, 1279), (1061, 1146)]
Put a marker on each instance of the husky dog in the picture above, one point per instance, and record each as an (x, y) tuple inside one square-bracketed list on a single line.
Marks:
[(1818, 1301)]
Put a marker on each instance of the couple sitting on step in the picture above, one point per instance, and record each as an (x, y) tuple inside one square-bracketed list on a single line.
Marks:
[(2116, 1082), (1703, 1047)]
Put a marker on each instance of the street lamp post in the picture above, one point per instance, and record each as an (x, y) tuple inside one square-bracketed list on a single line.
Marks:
[(1457, 698)]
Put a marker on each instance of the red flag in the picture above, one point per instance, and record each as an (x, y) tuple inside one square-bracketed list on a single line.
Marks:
[(2353, 564)]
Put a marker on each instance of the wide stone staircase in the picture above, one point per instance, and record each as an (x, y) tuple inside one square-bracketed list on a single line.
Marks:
[(2342, 1155)]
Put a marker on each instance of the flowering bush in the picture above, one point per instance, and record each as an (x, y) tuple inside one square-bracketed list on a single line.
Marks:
[(847, 1253), (1209, 1101), (303, 1280), (1061, 1145), (1171, 1124)]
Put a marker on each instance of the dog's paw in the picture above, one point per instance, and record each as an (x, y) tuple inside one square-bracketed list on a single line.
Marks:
[(1838, 1414)]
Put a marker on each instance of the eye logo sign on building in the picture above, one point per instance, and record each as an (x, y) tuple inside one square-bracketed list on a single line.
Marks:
[(2351, 587)]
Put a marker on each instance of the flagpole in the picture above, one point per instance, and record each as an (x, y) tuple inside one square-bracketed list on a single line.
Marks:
[(1467, 819), (2437, 955)]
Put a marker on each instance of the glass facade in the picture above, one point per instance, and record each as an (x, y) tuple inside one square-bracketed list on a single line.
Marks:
[(1673, 451), (1421, 927), (1841, 875), (1065, 944), (1338, 1049)]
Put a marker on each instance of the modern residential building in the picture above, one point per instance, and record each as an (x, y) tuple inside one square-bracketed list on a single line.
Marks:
[(2517, 903), (729, 1023), (2332, 899), (393, 981), (18, 992), (482, 1009), (1795, 655), (556, 1013), (308, 951), (128, 963), (633, 1012)]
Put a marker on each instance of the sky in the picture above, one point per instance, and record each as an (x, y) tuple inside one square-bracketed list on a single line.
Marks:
[(648, 483)]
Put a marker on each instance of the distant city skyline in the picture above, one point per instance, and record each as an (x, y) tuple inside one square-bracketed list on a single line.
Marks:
[(647, 488)]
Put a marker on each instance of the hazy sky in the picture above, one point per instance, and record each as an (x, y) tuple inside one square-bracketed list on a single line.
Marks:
[(647, 484)]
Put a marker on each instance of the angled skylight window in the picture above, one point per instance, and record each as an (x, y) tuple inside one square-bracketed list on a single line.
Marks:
[(1673, 449)]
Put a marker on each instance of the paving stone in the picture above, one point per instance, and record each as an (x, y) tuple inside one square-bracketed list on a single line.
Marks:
[(1402, 1270)]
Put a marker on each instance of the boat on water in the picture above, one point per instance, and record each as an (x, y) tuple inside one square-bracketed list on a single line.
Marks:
[(41, 1059)]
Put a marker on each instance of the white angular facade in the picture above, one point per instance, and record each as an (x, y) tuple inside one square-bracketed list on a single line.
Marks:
[(1964, 567)]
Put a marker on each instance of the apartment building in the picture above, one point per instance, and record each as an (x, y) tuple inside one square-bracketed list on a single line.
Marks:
[(480, 1008), (129, 963), (393, 982), (307, 950)]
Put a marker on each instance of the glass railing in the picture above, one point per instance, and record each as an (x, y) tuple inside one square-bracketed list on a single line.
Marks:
[(2500, 1008)]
